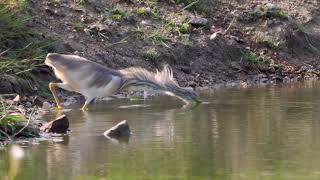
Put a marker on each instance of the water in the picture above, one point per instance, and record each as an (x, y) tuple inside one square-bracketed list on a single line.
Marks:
[(259, 133)]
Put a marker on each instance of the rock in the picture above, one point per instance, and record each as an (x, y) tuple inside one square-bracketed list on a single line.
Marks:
[(198, 22), (59, 125), (121, 130), (46, 106)]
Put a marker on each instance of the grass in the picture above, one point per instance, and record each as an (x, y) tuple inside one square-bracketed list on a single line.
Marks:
[(157, 37), (21, 50), (78, 26), (252, 58), (118, 14), (200, 6), (270, 12), (151, 54), (79, 2), (270, 41), (276, 12), (181, 28)]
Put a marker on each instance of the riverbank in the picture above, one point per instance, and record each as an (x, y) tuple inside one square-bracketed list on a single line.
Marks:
[(207, 43)]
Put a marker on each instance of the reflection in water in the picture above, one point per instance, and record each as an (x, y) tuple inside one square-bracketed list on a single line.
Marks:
[(262, 133)]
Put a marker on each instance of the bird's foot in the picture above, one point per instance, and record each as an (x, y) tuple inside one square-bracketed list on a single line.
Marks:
[(84, 108)]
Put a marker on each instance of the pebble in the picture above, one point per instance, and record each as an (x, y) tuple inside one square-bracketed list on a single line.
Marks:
[(198, 22), (46, 106)]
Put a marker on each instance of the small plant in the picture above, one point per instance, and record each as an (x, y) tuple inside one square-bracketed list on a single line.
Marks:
[(78, 2), (56, 2), (270, 41), (151, 54), (78, 26), (297, 27), (118, 14), (158, 37), (182, 28), (154, 14), (141, 11), (269, 12), (252, 58), (276, 12)]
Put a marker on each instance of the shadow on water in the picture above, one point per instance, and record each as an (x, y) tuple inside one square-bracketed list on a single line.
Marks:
[(258, 133)]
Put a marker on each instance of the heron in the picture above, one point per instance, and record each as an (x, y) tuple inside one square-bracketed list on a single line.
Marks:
[(94, 80)]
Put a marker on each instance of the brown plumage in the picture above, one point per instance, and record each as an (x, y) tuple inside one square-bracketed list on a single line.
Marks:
[(94, 80)]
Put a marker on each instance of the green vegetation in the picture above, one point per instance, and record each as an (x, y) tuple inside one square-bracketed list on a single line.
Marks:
[(200, 6), (157, 37), (151, 54), (181, 28), (270, 12), (252, 58), (78, 26), (152, 12), (21, 50), (118, 14), (276, 12), (297, 27), (79, 2), (141, 11)]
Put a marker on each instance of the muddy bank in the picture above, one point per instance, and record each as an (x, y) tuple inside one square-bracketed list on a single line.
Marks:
[(247, 44)]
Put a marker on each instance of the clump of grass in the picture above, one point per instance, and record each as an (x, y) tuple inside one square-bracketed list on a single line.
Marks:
[(270, 41), (118, 14), (78, 26), (158, 37), (182, 28), (297, 27), (201, 6), (21, 50), (252, 58), (276, 12), (79, 2), (141, 11), (151, 54), (270, 12)]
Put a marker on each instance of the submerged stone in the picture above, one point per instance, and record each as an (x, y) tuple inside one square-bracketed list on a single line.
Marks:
[(121, 130)]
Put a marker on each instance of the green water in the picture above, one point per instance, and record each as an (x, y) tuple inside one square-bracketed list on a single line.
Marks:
[(258, 133)]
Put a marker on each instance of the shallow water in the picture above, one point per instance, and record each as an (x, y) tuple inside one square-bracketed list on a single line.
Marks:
[(258, 133)]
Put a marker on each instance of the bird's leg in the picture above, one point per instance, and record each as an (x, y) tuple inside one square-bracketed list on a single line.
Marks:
[(85, 106), (53, 87)]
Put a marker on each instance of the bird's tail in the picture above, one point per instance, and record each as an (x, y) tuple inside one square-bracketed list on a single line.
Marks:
[(142, 78)]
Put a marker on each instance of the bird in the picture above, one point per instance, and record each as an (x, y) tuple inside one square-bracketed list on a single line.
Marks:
[(94, 80)]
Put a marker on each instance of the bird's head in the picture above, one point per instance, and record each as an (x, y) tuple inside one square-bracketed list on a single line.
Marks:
[(187, 94)]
